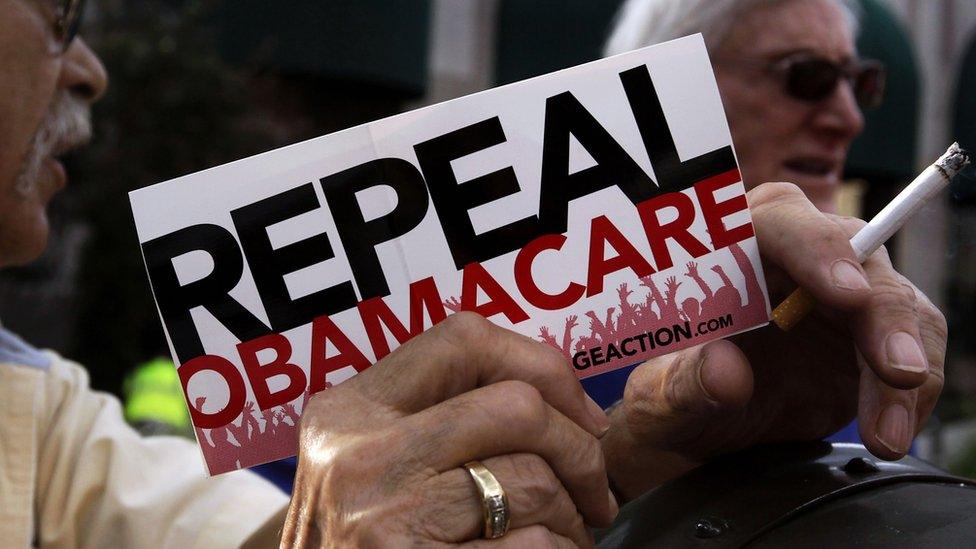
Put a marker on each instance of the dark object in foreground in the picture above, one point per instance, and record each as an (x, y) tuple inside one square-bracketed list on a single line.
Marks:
[(802, 495)]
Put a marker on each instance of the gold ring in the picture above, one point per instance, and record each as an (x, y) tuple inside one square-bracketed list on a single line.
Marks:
[(493, 500)]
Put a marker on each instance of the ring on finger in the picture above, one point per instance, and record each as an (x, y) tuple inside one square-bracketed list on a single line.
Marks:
[(493, 500)]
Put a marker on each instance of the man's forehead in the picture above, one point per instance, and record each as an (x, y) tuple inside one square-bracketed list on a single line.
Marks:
[(792, 26)]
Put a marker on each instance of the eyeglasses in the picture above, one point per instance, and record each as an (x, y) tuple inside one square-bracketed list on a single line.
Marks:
[(67, 20), (813, 79)]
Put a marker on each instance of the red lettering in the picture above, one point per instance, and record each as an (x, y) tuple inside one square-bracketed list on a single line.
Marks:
[(527, 286), (235, 386), (714, 212), (323, 331), (499, 302), (603, 232), (258, 374), (376, 314), (658, 234)]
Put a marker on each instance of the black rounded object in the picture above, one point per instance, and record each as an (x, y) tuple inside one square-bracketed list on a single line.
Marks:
[(802, 495)]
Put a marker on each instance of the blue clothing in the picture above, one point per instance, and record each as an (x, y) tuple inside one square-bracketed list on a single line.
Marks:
[(14, 350)]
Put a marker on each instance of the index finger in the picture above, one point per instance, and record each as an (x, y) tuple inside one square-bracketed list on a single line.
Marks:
[(813, 250), (467, 351)]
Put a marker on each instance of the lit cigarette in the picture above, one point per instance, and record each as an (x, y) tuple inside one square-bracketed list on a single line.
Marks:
[(878, 230)]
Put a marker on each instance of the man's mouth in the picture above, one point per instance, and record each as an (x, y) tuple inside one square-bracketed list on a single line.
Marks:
[(813, 167), (59, 176)]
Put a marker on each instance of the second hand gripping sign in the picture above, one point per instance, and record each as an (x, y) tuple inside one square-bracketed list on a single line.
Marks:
[(598, 209)]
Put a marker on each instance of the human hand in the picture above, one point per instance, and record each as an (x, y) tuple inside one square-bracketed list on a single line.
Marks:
[(623, 292), (692, 269), (571, 322), (873, 349), (672, 285), (381, 454), (453, 304)]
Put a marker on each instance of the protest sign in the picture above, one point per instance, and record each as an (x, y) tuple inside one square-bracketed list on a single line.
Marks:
[(598, 209)]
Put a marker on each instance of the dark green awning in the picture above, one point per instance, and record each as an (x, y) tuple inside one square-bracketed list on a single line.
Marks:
[(373, 42), (541, 36), (887, 148)]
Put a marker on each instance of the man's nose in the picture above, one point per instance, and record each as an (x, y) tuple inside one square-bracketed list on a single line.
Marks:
[(839, 114), (82, 72)]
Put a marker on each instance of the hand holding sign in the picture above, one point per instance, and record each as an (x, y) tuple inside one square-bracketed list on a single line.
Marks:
[(381, 455), (874, 350)]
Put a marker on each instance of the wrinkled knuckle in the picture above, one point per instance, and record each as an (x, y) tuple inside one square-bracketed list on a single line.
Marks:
[(539, 536), (465, 328), (592, 464), (774, 193), (891, 296), (524, 404), (933, 319), (536, 480), (849, 224), (833, 238)]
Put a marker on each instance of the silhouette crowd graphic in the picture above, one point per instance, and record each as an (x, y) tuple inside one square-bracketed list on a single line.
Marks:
[(265, 435), (658, 310)]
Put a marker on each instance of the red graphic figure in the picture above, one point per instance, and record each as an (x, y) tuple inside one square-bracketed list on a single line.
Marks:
[(602, 331), (755, 310), (221, 453), (453, 304), (727, 298), (628, 312)]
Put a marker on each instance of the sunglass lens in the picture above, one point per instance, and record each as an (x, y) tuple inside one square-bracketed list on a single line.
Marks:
[(812, 79)]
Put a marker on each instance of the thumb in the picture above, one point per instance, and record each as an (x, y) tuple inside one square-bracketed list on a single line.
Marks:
[(679, 401)]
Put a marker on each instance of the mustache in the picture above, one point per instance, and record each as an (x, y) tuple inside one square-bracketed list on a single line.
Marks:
[(66, 126)]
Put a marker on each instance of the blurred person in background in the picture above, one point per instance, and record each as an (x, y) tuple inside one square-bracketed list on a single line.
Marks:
[(793, 88), (382, 456)]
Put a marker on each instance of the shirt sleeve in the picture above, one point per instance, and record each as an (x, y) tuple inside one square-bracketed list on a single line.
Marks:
[(101, 484)]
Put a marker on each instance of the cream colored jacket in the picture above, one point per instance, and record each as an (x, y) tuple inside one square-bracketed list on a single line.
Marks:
[(74, 474)]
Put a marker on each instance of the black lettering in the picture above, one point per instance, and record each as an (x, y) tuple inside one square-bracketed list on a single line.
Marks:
[(269, 265), (581, 361), (625, 347), (672, 174), (452, 200), (211, 292), (683, 330), (614, 167), (360, 237), (596, 356)]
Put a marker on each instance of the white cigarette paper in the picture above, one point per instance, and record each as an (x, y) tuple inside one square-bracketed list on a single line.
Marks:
[(880, 229), (928, 183)]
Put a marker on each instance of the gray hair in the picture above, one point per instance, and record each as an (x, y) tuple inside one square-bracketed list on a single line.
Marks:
[(641, 23)]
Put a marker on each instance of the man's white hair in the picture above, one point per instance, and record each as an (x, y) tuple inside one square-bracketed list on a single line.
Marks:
[(641, 23)]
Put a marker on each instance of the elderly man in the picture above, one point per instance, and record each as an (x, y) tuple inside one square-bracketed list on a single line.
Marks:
[(71, 472), (791, 83), (382, 457)]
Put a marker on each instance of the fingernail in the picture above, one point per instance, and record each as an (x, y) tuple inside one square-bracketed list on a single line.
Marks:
[(905, 354), (614, 507), (848, 276), (893, 430), (599, 416)]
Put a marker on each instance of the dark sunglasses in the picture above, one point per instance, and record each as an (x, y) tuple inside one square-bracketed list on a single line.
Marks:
[(67, 20), (813, 79)]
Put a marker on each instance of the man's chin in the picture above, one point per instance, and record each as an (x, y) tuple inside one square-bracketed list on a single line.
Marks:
[(23, 236)]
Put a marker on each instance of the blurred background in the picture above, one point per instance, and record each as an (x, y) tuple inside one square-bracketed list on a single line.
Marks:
[(197, 83)]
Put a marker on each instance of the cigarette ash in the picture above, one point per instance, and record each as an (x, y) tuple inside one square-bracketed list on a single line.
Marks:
[(953, 161)]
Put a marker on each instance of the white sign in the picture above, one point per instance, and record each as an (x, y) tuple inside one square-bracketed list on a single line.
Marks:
[(598, 209)]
